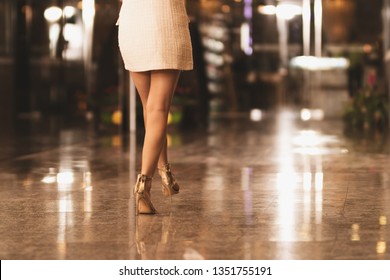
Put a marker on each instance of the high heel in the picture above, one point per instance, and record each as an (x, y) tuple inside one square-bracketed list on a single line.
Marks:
[(143, 204), (169, 184)]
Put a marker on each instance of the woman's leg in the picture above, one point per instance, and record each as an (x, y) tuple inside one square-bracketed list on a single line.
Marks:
[(162, 87), (142, 83), (156, 89)]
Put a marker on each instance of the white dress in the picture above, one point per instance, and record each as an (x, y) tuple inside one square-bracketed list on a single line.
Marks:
[(154, 34)]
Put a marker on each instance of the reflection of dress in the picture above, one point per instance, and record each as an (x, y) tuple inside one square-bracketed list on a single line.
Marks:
[(154, 34)]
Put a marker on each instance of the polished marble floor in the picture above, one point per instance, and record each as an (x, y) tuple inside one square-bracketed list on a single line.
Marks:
[(279, 188)]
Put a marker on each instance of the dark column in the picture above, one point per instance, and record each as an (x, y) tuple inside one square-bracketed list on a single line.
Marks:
[(22, 100), (386, 47), (6, 65)]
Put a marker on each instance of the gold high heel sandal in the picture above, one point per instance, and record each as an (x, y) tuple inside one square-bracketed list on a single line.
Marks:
[(169, 184), (143, 204)]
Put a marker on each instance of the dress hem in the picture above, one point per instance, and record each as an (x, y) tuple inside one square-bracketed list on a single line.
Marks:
[(189, 68)]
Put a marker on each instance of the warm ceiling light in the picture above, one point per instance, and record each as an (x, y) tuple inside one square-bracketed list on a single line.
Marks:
[(288, 11), (267, 9), (69, 11), (53, 14)]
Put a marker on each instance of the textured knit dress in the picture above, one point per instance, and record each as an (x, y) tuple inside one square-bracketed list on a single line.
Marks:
[(154, 34)]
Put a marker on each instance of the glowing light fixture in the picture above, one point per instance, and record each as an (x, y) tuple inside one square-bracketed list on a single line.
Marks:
[(65, 177), (256, 115), (288, 11), (284, 11), (312, 114), (69, 11), (319, 63), (246, 39), (53, 14), (305, 114), (267, 9), (247, 28)]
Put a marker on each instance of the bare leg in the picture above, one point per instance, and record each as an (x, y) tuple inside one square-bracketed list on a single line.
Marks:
[(142, 82), (156, 89)]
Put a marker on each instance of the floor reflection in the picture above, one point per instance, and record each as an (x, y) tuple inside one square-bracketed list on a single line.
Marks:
[(275, 188)]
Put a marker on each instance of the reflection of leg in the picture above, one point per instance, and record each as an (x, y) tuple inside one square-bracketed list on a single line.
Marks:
[(147, 227), (163, 249), (166, 225)]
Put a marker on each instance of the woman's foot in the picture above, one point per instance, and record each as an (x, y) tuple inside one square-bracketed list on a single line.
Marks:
[(169, 184), (143, 204)]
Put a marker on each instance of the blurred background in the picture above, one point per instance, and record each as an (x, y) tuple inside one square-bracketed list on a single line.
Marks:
[(59, 59)]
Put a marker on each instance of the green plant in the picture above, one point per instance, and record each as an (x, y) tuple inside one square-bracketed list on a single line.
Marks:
[(368, 109)]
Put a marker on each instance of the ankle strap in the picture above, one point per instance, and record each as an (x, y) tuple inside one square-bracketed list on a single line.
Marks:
[(165, 167), (143, 177)]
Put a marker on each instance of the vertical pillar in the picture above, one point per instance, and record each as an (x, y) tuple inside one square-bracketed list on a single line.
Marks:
[(247, 29), (318, 28), (8, 32), (6, 65), (306, 23), (282, 24), (88, 15)]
